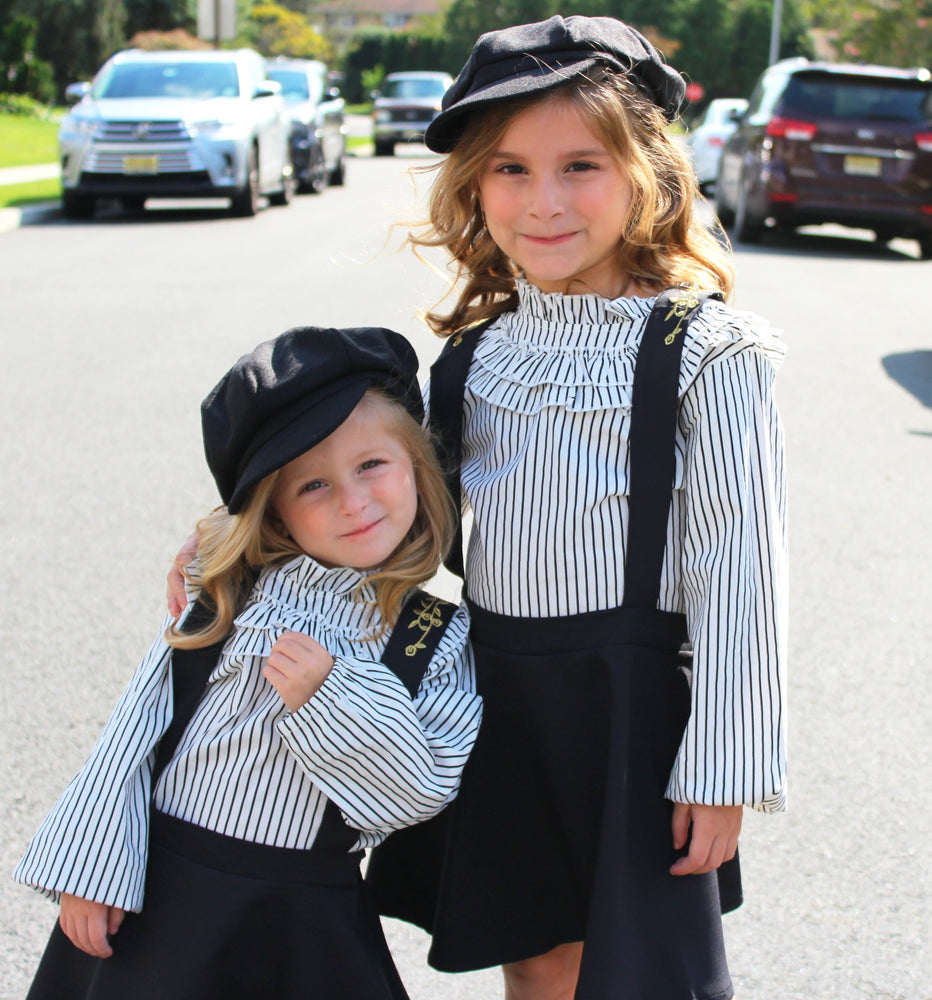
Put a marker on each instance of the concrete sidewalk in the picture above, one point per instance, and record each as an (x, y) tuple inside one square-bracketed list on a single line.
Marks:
[(12, 218)]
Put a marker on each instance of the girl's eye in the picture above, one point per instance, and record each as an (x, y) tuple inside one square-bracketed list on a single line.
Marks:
[(510, 168), (310, 487), (581, 166), (371, 464)]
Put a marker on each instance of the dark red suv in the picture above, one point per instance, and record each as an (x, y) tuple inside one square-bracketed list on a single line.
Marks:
[(829, 142)]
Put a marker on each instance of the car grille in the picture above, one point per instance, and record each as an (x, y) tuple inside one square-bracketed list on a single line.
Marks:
[(412, 115), (170, 161), (171, 131)]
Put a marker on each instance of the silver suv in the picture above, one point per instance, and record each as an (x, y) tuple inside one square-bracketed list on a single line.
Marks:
[(176, 125)]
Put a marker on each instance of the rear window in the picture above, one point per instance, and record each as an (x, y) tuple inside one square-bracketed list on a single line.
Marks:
[(854, 97), (294, 83), (187, 79)]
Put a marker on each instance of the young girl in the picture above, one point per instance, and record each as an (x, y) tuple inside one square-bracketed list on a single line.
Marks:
[(608, 780), (210, 846)]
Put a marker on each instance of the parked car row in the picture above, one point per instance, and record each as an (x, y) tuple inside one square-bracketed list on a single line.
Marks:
[(831, 142), (200, 124)]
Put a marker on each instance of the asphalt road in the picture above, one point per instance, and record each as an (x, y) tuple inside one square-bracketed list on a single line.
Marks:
[(112, 331)]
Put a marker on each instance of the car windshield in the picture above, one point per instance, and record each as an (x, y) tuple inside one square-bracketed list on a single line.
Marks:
[(159, 79), (854, 97), (414, 88), (294, 83)]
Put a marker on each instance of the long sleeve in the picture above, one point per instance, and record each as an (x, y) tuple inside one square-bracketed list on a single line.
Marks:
[(386, 760), (733, 565), (94, 841)]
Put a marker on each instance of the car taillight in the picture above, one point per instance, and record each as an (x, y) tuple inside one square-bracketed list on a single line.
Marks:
[(716, 140), (790, 128), (924, 141)]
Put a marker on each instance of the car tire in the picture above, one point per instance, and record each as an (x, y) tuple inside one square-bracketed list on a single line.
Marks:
[(315, 179), (338, 174), (749, 227), (286, 195), (925, 246), (77, 206), (246, 202), (133, 202), (384, 148)]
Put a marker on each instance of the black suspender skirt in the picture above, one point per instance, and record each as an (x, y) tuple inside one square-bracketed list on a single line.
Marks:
[(561, 831)]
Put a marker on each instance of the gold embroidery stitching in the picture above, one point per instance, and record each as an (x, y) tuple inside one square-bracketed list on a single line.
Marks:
[(681, 304), (428, 618)]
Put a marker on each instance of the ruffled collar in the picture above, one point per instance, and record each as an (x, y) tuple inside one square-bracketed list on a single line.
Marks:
[(299, 582), (567, 322)]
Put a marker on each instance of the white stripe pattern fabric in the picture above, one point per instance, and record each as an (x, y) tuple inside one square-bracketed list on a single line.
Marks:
[(246, 767), (545, 471)]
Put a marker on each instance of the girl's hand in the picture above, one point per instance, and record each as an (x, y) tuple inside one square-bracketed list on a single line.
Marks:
[(296, 668), (177, 598), (714, 840), (87, 924)]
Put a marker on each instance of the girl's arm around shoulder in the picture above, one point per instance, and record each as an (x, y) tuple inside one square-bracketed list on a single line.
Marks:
[(388, 760), (93, 843)]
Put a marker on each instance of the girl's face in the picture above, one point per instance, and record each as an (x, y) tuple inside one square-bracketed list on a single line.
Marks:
[(351, 499), (555, 201)]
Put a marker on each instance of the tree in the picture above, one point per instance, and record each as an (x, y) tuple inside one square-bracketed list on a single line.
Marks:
[(276, 31), (889, 33), (20, 71), (160, 15)]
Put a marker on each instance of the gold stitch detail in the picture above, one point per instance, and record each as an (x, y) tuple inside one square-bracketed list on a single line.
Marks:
[(681, 304), (428, 618)]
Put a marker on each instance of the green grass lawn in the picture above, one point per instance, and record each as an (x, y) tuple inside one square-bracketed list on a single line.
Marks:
[(24, 141), (18, 195)]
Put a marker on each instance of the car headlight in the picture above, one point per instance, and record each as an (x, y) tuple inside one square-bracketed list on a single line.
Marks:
[(75, 125)]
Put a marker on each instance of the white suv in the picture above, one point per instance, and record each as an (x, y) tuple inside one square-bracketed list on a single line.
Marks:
[(176, 125)]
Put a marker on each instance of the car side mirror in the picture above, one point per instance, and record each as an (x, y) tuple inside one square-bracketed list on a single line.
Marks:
[(332, 94), (75, 92), (268, 88), (735, 115), (375, 95)]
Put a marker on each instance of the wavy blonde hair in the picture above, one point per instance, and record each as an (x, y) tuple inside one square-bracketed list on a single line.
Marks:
[(233, 548), (663, 243)]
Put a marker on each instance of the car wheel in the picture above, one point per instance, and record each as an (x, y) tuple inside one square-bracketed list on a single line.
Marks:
[(315, 180), (77, 206), (246, 202), (384, 148), (726, 215), (338, 174), (286, 195), (925, 246), (748, 227)]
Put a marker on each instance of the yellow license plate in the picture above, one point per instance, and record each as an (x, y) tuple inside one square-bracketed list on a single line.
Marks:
[(863, 166), (140, 164)]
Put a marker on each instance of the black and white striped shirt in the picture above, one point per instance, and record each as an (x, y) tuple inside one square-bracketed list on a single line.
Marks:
[(545, 471), (247, 767)]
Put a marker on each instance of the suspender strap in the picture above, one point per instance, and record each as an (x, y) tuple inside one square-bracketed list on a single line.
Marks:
[(447, 385), (652, 441), (190, 669), (408, 653), (414, 640)]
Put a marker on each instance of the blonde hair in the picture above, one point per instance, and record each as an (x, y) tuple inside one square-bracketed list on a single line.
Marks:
[(663, 244), (232, 548)]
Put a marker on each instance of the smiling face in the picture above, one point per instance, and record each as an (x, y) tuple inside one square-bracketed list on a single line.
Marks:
[(555, 200), (350, 500)]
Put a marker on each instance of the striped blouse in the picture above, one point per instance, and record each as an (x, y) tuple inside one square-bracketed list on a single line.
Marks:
[(547, 416), (246, 766)]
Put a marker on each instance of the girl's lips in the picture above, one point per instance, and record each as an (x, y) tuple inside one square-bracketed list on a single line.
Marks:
[(359, 532), (549, 240)]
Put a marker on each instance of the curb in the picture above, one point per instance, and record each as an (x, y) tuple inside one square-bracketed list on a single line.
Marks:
[(13, 218)]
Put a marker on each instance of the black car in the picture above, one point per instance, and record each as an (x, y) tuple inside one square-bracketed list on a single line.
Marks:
[(829, 142), (318, 128)]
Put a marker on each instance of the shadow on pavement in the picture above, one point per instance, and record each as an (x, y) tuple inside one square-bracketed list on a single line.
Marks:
[(913, 371)]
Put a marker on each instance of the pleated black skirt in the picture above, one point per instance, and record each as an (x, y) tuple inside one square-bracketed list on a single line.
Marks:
[(561, 831), (224, 919)]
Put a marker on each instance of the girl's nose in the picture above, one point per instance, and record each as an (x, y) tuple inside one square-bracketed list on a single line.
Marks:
[(546, 198), (354, 498)]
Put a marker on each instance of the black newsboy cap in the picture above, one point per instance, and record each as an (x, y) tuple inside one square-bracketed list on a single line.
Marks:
[(531, 58), (291, 392)]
